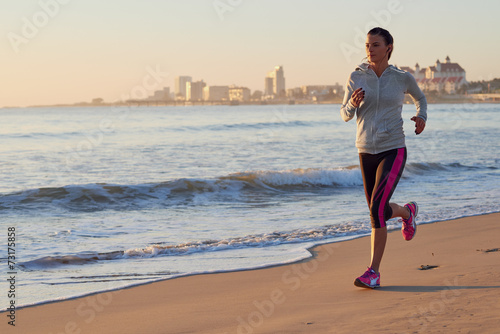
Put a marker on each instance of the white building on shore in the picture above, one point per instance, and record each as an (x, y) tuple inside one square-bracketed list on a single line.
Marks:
[(194, 90), (442, 77), (216, 93), (240, 94)]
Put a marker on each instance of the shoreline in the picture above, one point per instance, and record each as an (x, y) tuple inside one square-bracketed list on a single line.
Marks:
[(267, 287), (310, 250), (226, 103)]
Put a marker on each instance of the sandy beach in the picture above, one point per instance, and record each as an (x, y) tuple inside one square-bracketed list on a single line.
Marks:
[(460, 295)]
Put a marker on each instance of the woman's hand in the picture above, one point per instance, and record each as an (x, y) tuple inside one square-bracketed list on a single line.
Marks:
[(357, 96), (419, 124)]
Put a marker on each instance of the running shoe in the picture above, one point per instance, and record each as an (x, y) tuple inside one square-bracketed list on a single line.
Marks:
[(370, 279), (409, 227)]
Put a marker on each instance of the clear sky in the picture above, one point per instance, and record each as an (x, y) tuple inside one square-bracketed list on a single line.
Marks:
[(65, 51)]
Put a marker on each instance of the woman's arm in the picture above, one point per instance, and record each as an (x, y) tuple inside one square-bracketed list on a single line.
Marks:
[(417, 95), (420, 103), (352, 100)]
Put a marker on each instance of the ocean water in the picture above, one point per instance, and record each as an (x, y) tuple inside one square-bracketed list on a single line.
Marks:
[(103, 198)]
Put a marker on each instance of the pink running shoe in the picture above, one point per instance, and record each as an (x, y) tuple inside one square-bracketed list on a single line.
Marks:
[(370, 279), (409, 227)]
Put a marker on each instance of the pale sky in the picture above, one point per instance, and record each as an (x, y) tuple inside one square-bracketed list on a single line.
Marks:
[(65, 51)]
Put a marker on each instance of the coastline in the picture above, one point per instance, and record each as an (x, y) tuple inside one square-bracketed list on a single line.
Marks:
[(227, 103), (312, 295)]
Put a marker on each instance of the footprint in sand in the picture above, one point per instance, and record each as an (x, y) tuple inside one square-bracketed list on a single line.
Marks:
[(427, 267), (489, 250)]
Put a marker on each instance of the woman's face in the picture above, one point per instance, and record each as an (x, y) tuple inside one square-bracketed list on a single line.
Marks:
[(376, 49)]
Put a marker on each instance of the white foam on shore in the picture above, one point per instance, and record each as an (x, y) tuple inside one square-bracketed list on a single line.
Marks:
[(304, 250)]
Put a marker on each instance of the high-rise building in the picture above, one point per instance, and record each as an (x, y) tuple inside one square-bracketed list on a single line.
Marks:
[(194, 90), (180, 85), (216, 93), (279, 83), (277, 78), (268, 85)]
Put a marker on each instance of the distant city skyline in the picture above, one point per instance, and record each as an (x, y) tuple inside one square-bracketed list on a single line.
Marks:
[(57, 51)]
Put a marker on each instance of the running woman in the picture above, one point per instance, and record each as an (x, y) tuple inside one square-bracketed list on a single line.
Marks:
[(375, 92)]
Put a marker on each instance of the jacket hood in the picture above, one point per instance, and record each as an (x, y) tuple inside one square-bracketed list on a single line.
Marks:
[(364, 67)]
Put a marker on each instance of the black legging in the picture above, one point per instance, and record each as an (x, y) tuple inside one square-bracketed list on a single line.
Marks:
[(381, 172)]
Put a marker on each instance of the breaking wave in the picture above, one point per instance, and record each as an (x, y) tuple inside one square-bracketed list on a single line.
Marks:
[(233, 187), (192, 191)]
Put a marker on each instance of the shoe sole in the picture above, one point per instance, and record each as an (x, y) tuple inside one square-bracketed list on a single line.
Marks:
[(360, 284), (415, 220)]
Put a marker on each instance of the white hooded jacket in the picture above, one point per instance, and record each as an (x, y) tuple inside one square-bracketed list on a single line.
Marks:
[(378, 117)]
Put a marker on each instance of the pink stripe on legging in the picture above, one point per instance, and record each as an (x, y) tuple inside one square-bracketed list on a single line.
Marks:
[(393, 175)]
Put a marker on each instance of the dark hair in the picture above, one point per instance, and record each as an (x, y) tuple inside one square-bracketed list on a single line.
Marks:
[(386, 35)]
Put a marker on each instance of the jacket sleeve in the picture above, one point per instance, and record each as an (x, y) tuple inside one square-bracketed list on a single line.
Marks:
[(417, 95), (347, 111)]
